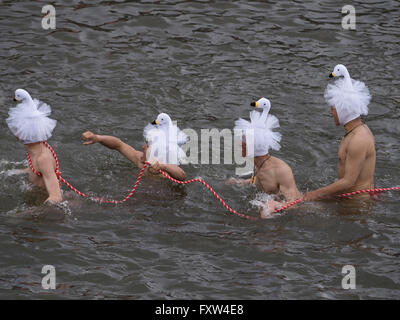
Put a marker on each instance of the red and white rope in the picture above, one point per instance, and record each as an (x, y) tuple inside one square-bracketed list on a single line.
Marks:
[(213, 192), (343, 195)]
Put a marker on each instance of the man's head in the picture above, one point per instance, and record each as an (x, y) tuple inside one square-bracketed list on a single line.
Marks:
[(29, 120), (245, 152), (343, 116), (257, 135), (349, 97)]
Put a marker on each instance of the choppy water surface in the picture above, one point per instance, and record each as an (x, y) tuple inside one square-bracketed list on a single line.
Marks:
[(111, 66)]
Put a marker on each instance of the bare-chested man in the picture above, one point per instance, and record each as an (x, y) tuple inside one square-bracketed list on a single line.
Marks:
[(356, 163), (271, 174), (29, 122), (356, 166)]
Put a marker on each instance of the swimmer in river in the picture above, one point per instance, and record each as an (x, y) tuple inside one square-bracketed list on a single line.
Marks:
[(349, 100), (271, 174), (162, 149), (30, 123)]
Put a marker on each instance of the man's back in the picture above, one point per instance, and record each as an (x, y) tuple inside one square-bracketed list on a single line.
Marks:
[(275, 176), (37, 158), (44, 162), (359, 144)]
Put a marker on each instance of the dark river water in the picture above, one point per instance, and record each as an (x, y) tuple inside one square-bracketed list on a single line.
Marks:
[(112, 66)]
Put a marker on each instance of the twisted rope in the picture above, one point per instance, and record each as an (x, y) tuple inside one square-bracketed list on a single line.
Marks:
[(212, 191)]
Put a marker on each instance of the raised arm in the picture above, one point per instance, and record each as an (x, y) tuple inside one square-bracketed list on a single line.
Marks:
[(114, 143), (136, 157)]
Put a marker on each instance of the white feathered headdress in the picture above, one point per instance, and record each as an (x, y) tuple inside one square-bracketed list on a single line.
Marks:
[(29, 121), (350, 97), (165, 140), (259, 130)]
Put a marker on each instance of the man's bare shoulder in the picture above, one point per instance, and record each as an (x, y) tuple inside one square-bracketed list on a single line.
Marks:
[(285, 179), (280, 164), (362, 138), (281, 169), (367, 133)]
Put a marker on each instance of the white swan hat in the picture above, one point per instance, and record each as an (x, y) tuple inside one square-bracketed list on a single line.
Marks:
[(29, 120), (165, 140), (350, 97), (259, 130)]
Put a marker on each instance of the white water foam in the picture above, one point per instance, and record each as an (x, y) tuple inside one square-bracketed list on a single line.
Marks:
[(12, 172), (260, 202), (260, 199), (26, 186), (12, 168), (4, 162), (64, 207)]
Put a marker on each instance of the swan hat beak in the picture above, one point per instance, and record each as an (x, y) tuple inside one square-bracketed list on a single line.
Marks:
[(254, 104), (332, 75), (154, 122)]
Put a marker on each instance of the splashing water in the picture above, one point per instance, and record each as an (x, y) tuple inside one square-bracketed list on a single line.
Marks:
[(64, 207), (260, 202)]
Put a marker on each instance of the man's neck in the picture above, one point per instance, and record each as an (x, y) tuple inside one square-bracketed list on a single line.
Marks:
[(34, 148), (259, 160), (349, 126)]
